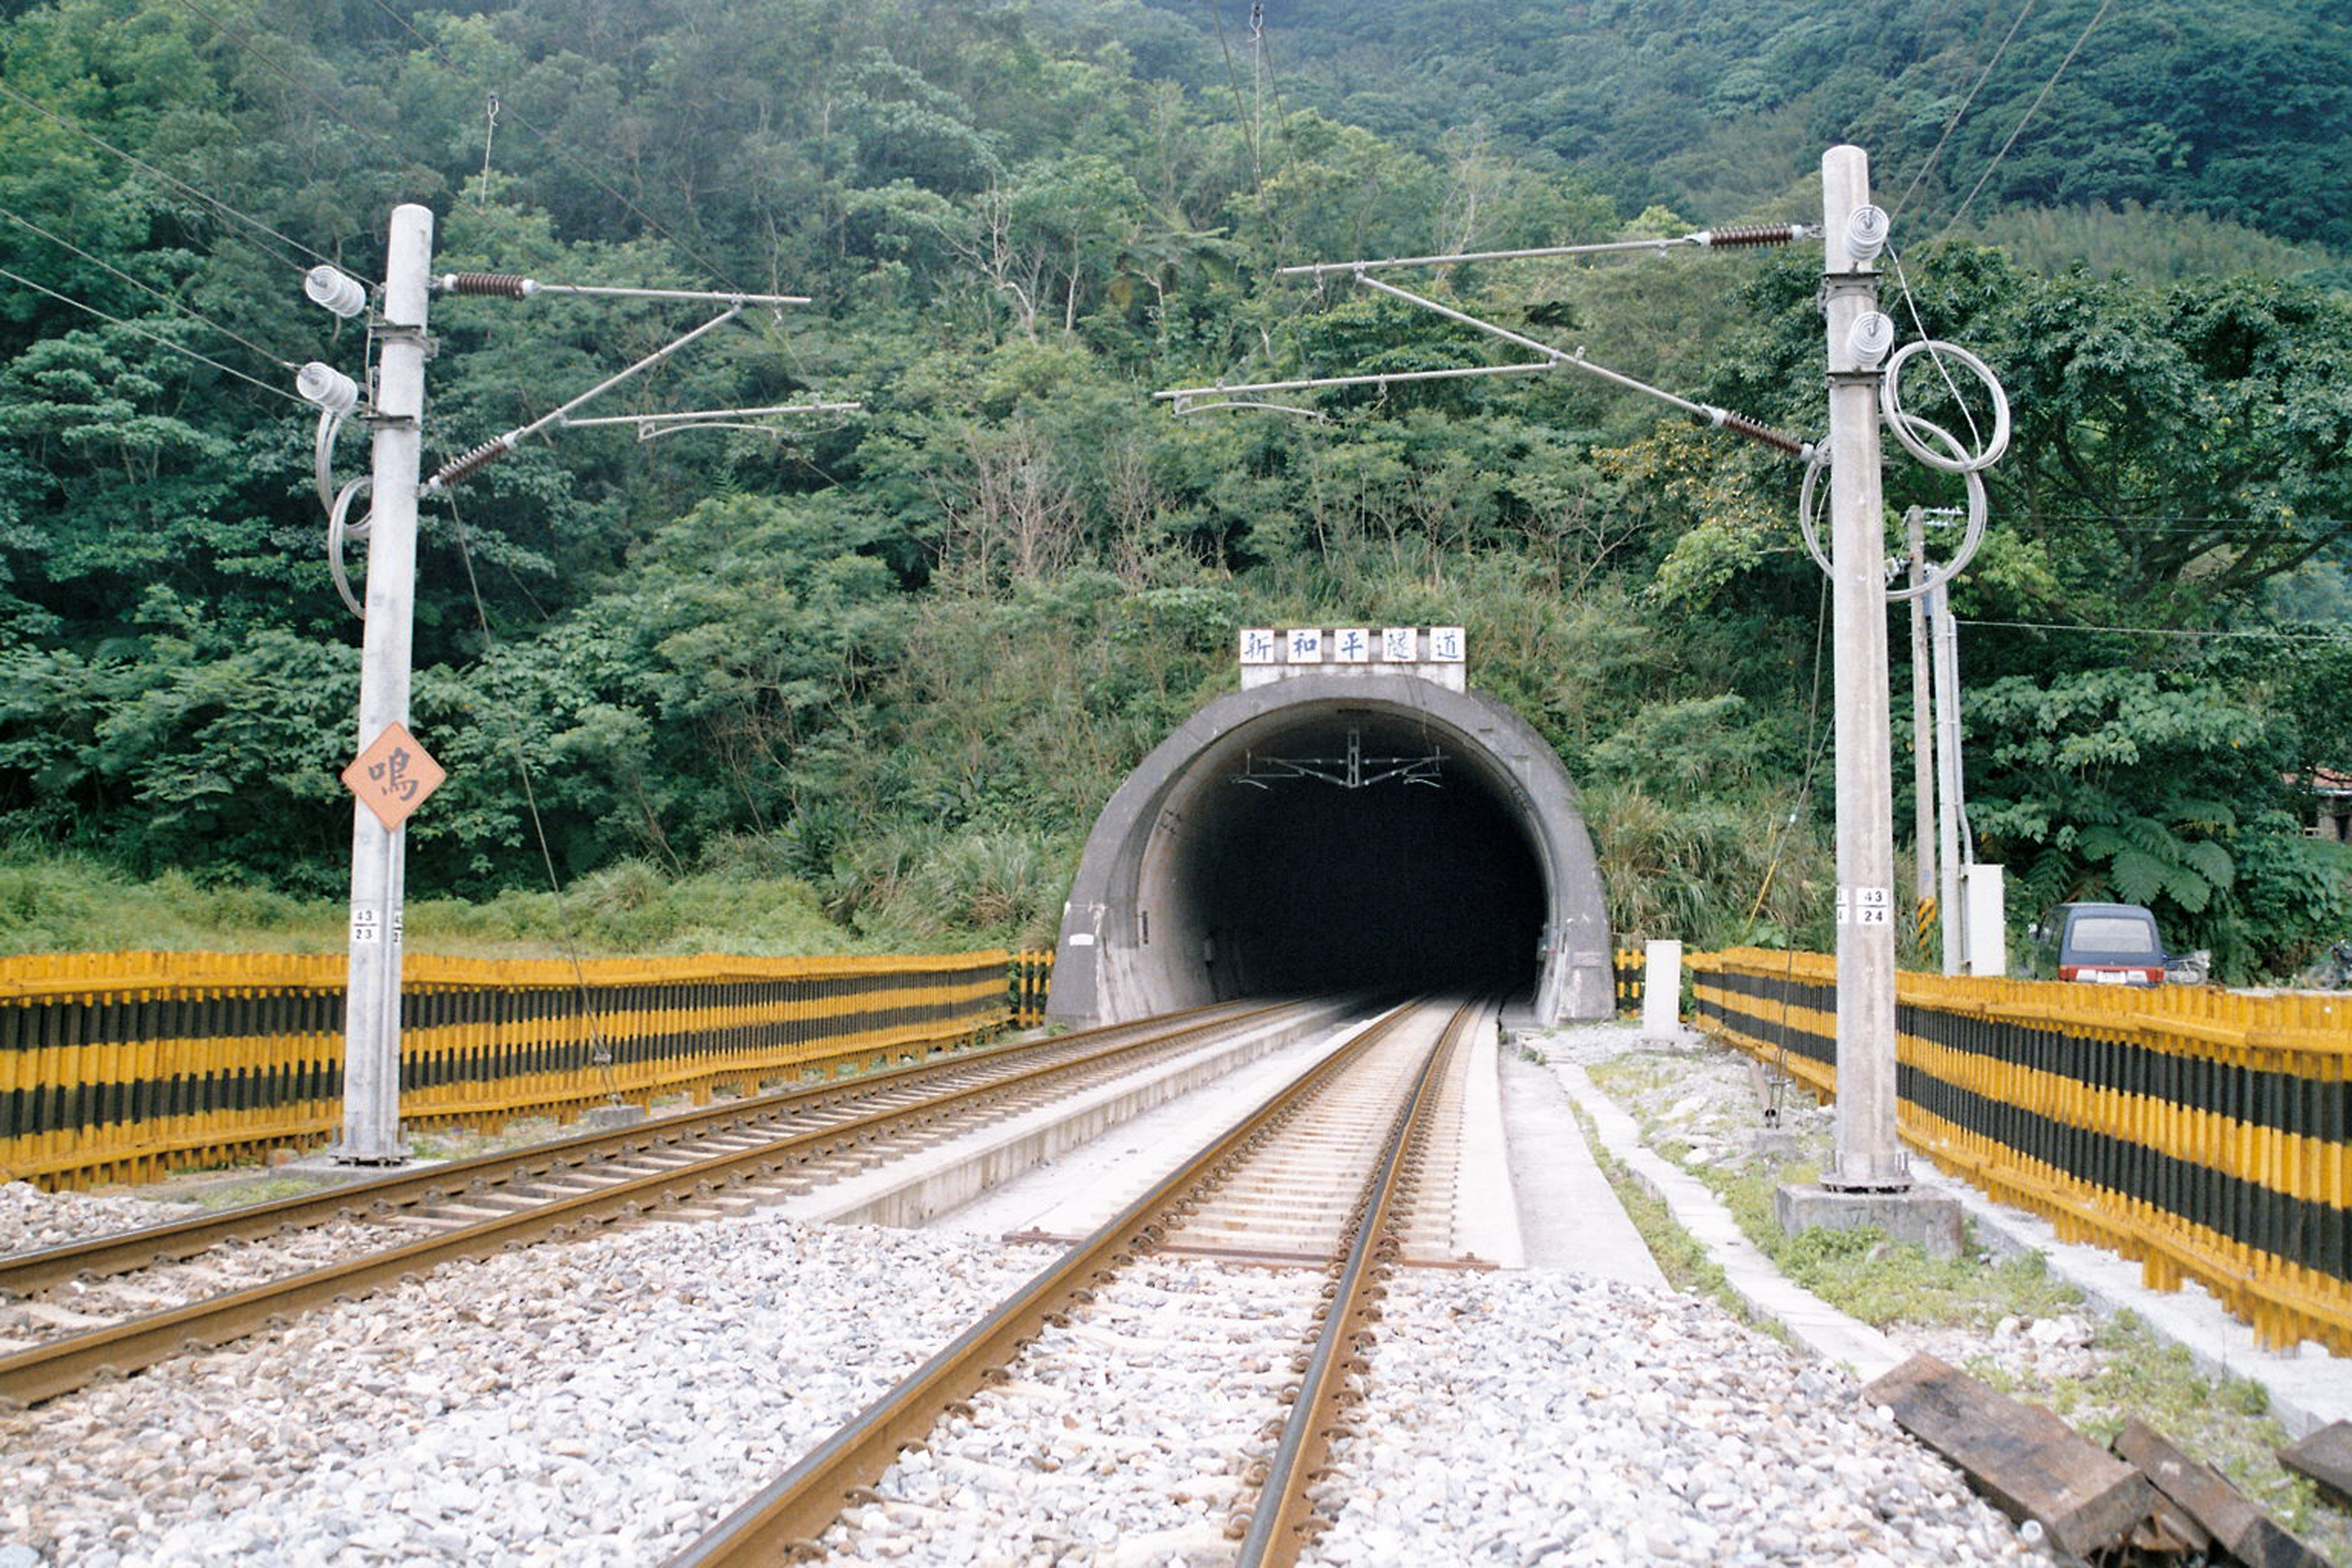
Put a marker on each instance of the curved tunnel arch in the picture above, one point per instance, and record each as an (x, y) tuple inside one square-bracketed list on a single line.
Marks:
[(1196, 886)]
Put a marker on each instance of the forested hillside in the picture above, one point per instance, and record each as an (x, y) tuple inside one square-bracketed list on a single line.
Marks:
[(901, 656), (2240, 111)]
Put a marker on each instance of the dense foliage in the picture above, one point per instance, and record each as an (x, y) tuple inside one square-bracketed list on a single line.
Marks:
[(2240, 111), (902, 656)]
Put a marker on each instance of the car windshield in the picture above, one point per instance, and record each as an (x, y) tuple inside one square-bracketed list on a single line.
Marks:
[(2112, 933)]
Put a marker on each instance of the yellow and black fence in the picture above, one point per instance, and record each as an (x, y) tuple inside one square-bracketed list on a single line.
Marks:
[(1629, 965), (1032, 979), (2204, 1133), (122, 1066)]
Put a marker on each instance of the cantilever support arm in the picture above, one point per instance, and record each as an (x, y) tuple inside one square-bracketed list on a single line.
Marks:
[(490, 451), (1553, 359), (1703, 240)]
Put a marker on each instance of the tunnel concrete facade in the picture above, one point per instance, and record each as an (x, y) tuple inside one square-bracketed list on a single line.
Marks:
[(1234, 861)]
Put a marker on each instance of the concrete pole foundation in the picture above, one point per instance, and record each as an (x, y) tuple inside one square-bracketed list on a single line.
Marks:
[(1912, 1216)]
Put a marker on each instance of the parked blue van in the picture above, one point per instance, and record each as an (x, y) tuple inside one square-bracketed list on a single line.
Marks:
[(2103, 944)]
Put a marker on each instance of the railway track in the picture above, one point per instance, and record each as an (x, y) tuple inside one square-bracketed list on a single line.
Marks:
[(206, 1281), (1320, 1181), (604, 1405)]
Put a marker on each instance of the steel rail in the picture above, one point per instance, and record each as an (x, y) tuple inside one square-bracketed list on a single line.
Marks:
[(26, 1273), (1283, 1520), (62, 1365), (791, 1512)]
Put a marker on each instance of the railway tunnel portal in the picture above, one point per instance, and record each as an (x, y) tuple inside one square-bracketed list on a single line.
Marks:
[(1338, 828)]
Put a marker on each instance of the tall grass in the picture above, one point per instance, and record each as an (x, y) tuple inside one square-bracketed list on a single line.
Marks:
[(59, 902), (52, 903), (1713, 871), (923, 886)]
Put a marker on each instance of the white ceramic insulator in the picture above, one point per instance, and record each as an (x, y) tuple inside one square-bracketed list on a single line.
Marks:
[(335, 289), (1866, 232), (328, 387), (1871, 338)]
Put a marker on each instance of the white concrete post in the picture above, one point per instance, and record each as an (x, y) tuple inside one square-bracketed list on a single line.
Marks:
[(1867, 1158), (1662, 990), (372, 1008), (1988, 922)]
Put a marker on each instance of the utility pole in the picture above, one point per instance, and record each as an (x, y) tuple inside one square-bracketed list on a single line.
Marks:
[(379, 854), (1923, 750), (393, 774), (1868, 1158)]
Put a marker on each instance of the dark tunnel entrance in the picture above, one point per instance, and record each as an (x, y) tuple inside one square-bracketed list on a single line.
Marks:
[(1417, 876), (1338, 831)]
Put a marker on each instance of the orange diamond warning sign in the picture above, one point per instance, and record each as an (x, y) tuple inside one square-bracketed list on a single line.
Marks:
[(394, 776)]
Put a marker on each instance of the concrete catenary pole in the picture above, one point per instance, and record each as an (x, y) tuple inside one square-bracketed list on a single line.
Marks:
[(371, 1012), (1923, 746), (1946, 657), (1867, 1157)]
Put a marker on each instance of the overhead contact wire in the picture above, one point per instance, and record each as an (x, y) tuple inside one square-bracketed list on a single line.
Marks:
[(1960, 113), (1817, 746), (1241, 110), (1738, 423), (243, 44), (1265, 58), (1902, 280), (2096, 18), (151, 337), (137, 162), (600, 1054), (2254, 634), (188, 311)]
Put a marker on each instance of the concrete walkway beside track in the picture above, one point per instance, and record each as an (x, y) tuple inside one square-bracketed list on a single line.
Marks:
[(1488, 1218), (907, 1192), (1567, 1211), (1078, 1188), (1082, 1185)]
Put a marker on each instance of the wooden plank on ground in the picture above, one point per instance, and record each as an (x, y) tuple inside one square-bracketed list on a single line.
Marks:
[(2026, 1461), (2327, 1458), (2205, 1494)]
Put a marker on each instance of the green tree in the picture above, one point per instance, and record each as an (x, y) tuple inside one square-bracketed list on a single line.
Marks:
[(2175, 447), (2174, 793)]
